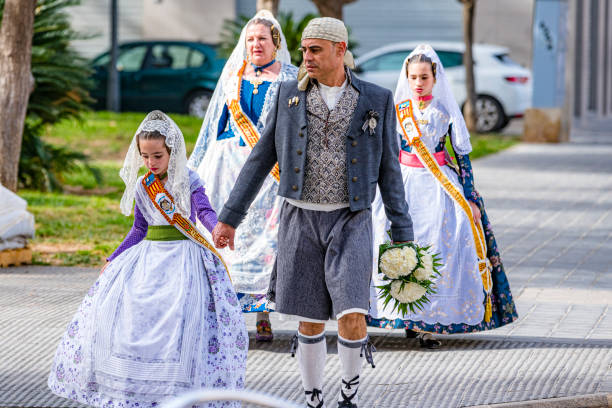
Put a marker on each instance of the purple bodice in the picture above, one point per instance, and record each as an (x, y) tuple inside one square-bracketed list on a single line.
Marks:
[(200, 208)]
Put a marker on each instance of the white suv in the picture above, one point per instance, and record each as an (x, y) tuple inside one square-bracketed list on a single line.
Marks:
[(503, 87)]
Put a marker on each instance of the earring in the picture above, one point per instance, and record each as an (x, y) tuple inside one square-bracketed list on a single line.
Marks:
[(274, 54)]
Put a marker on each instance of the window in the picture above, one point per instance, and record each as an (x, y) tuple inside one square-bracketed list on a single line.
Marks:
[(505, 59), (169, 56), (130, 59), (196, 59), (450, 59), (387, 62)]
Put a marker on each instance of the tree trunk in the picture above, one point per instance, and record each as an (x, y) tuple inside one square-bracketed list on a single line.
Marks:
[(469, 109), (331, 8), (16, 82), (271, 5)]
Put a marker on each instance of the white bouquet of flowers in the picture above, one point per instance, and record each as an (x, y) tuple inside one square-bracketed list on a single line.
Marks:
[(409, 270)]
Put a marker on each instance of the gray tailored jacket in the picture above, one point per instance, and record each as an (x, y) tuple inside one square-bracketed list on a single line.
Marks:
[(372, 159)]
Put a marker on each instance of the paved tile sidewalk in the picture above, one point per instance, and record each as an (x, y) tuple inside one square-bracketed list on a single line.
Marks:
[(551, 209)]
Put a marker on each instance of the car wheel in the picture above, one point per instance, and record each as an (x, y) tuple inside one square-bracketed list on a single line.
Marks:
[(197, 103), (489, 114)]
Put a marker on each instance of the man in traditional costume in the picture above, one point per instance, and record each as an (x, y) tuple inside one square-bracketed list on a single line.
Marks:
[(334, 138)]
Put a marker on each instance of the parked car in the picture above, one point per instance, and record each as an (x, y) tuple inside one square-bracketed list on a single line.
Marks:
[(503, 87), (174, 76)]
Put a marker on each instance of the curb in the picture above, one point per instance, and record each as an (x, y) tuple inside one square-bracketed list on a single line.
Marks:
[(580, 401)]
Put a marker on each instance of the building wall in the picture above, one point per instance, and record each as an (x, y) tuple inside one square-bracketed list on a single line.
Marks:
[(199, 20), (92, 17), (373, 23), (507, 23), (377, 23)]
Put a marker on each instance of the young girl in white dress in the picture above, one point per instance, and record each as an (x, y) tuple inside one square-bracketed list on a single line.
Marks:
[(162, 319), (473, 293)]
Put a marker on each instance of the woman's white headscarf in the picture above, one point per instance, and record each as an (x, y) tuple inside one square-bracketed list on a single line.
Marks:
[(442, 93), (178, 176), (227, 86)]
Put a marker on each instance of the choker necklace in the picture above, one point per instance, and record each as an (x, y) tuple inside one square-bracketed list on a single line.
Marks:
[(258, 70), (162, 176), (423, 99)]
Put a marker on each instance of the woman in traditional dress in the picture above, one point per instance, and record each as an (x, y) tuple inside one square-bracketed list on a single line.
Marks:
[(473, 293), (162, 319), (233, 123)]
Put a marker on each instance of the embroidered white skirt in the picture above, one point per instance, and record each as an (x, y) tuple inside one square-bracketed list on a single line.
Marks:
[(161, 320), (439, 222)]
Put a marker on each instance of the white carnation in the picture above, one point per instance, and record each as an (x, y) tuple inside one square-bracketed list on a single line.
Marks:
[(427, 261), (398, 262), (411, 292), (422, 274), (410, 259)]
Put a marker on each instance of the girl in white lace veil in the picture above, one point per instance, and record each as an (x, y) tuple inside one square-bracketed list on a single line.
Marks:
[(178, 177), (442, 93), (438, 220)]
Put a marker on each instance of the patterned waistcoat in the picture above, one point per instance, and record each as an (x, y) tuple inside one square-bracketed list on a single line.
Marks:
[(325, 174)]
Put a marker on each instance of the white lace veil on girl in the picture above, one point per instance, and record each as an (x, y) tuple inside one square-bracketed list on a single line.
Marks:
[(441, 92), (178, 176), (227, 86)]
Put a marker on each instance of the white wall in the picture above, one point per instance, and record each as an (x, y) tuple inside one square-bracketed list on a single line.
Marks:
[(506, 22), (93, 17), (199, 20)]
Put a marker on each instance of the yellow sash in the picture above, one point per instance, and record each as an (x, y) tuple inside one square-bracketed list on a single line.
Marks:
[(248, 131), (163, 201), (410, 127)]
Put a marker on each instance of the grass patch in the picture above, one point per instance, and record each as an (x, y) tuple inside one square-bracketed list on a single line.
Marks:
[(107, 135), (75, 230), (489, 143)]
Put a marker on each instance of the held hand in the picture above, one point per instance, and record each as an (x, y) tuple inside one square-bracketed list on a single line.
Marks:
[(475, 211), (104, 267), (223, 235)]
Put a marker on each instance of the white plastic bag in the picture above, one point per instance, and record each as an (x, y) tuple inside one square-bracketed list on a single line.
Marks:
[(16, 223)]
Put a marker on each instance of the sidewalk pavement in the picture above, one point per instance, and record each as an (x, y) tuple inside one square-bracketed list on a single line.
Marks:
[(551, 209)]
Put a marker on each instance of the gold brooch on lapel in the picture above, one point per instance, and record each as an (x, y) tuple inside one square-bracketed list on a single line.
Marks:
[(294, 101)]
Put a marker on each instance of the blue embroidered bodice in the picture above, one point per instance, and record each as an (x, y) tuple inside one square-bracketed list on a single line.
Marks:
[(251, 104)]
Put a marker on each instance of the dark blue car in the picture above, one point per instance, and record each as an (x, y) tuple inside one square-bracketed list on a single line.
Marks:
[(174, 76)]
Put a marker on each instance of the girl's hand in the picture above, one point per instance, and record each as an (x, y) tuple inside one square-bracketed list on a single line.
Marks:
[(475, 211), (104, 267)]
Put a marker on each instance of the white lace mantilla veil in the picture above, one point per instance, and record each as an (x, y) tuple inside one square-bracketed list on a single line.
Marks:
[(442, 93), (227, 88), (178, 176)]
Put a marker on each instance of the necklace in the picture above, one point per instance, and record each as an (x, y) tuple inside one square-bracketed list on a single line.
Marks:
[(423, 99), (258, 71), (162, 176)]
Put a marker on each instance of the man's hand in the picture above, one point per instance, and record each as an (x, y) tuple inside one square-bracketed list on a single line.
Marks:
[(223, 235)]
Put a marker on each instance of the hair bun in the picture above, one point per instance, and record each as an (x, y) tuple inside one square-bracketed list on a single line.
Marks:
[(156, 115)]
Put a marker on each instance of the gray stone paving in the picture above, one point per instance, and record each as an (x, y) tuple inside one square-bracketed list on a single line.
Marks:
[(551, 208)]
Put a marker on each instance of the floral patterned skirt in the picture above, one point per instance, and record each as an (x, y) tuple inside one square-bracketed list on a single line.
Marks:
[(163, 319), (503, 308)]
